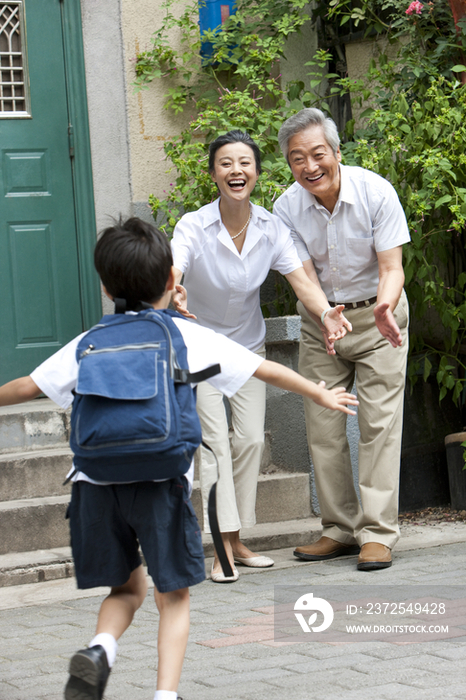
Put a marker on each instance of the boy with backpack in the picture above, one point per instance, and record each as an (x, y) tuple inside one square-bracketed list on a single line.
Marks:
[(134, 431)]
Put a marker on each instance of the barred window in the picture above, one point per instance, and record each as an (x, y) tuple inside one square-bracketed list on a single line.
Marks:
[(14, 84)]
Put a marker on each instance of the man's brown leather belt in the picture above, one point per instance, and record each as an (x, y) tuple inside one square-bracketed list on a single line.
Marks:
[(354, 304)]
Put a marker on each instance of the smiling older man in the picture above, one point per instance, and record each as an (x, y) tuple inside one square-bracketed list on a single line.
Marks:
[(349, 227)]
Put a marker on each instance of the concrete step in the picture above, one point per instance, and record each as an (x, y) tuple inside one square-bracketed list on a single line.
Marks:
[(35, 425), (57, 563), (39, 523), (280, 496), (34, 474), (33, 523)]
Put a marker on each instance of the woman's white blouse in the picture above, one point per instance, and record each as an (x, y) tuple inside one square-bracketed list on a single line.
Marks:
[(224, 285)]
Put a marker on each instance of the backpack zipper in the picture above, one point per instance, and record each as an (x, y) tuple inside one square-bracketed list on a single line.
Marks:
[(119, 348)]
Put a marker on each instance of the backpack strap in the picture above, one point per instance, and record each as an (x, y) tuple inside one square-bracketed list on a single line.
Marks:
[(182, 376), (213, 522), (120, 305), (70, 476)]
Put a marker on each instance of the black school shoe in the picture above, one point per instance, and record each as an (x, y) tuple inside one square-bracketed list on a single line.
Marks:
[(89, 672)]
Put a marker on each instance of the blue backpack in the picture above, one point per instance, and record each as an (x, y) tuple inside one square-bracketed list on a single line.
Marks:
[(134, 411)]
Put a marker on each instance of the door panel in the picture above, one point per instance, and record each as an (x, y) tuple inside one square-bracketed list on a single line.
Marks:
[(39, 274), (26, 173), (33, 283)]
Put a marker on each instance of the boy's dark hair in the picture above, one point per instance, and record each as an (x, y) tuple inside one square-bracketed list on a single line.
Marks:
[(133, 259), (234, 136)]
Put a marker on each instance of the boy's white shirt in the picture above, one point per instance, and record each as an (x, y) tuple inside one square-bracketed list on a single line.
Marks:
[(57, 376)]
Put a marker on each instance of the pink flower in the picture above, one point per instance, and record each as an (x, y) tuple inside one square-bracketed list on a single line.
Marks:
[(415, 7)]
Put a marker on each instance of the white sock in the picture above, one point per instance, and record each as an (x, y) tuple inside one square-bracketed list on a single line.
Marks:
[(165, 695), (109, 643)]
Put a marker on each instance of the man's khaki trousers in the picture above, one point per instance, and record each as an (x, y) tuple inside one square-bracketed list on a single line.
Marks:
[(380, 372)]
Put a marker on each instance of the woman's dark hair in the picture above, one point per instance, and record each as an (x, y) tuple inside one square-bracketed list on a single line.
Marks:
[(234, 136), (133, 259)]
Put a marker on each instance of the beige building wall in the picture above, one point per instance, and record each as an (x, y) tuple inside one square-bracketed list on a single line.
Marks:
[(149, 124), (299, 49), (358, 57)]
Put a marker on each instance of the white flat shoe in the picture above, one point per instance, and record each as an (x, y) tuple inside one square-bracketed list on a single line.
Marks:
[(259, 562), (219, 576)]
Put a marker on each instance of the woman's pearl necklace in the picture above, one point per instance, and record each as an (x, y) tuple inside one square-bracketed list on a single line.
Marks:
[(244, 227)]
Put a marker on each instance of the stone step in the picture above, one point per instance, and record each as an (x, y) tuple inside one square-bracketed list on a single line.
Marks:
[(35, 425), (33, 523), (39, 523), (34, 474), (57, 563), (41, 472), (280, 496)]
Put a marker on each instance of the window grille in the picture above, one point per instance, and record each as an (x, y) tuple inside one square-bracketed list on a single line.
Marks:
[(14, 83)]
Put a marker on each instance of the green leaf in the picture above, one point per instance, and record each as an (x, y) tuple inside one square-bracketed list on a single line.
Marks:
[(427, 369), (458, 69), (403, 105), (296, 104), (443, 200), (457, 392)]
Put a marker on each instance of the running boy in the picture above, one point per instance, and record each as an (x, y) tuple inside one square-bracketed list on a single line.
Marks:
[(108, 520)]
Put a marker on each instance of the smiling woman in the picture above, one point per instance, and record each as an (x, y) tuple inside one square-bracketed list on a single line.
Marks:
[(225, 251)]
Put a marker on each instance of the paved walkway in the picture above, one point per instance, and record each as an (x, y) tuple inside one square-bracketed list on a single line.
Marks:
[(231, 652)]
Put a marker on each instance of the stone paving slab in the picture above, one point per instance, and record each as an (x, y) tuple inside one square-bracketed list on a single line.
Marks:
[(43, 624)]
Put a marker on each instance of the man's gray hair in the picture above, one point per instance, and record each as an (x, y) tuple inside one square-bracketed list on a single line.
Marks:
[(302, 120)]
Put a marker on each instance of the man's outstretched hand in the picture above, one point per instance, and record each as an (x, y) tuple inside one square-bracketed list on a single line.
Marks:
[(385, 322)]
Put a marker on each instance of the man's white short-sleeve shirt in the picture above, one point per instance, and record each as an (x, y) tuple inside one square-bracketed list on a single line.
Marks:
[(367, 219), (223, 285)]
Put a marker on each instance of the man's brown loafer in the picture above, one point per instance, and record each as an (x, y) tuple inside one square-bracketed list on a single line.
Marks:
[(374, 555), (325, 548)]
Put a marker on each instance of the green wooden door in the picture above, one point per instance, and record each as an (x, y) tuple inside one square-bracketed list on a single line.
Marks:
[(40, 290)]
